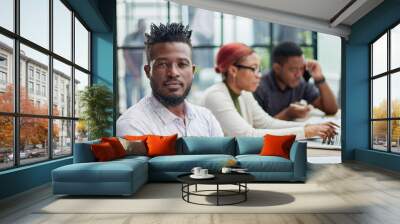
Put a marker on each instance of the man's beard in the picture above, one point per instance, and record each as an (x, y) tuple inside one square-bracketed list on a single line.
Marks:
[(169, 101)]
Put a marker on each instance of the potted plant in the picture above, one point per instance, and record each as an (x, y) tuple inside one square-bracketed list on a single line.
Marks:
[(96, 104)]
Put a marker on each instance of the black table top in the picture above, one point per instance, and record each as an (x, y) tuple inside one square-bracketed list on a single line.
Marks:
[(220, 178)]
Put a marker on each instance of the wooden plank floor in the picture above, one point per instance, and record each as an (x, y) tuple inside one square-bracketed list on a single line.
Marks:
[(378, 189)]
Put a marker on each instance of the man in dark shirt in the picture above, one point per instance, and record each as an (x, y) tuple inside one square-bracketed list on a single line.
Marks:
[(282, 89)]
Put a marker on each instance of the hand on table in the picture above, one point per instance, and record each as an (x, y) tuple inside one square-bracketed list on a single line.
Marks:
[(296, 110), (325, 130)]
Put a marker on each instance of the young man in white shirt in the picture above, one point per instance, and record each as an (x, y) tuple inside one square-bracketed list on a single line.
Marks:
[(170, 71)]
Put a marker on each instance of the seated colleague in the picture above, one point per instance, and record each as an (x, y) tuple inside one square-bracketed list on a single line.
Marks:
[(284, 86), (170, 70), (236, 109)]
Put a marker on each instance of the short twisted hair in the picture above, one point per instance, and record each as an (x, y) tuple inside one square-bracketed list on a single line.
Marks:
[(171, 32), (284, 50)]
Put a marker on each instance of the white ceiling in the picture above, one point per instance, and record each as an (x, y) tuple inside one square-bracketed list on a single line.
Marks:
[(320, 9), (317, 15)]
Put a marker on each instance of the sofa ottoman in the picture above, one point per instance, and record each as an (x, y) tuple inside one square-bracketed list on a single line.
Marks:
[(119, 177)]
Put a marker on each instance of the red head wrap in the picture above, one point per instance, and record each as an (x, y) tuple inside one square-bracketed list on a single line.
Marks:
[(229, 54)]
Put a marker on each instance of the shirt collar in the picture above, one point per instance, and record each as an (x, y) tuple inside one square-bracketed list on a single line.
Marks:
[(234, 95), (189, 111), (274, 82), (167, 116)]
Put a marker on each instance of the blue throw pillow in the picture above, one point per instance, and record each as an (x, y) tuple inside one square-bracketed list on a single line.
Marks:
[(83, 153), (249, 145), (207, 145)]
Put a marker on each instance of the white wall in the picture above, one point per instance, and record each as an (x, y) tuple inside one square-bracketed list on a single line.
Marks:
[(329, 56)]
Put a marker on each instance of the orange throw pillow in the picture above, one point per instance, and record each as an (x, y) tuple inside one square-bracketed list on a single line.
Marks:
[(103, 151), (161, 145), (135, 138), (116, 145), (277, 145)]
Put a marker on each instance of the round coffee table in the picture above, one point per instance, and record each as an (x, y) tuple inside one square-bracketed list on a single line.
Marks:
[(238, 179)]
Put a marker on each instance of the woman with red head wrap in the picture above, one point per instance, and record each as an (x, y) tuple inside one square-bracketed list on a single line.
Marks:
[(234, 106)]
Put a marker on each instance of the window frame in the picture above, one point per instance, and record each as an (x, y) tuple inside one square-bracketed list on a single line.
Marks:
[(3, 70), (388, 74), (16, 114)]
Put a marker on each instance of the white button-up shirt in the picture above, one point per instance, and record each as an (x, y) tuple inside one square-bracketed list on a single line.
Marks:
[(149, 116)]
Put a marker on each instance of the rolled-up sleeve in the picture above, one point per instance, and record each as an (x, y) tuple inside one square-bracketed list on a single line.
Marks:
[(311, 93), (233, 124)]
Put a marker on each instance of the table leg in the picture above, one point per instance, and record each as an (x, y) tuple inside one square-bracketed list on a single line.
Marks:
[(245, 191), (182, 190), (188, 190), (217, 194)]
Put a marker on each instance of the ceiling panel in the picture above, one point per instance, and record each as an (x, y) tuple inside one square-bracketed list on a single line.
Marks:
[(327, 16), (321, 9)]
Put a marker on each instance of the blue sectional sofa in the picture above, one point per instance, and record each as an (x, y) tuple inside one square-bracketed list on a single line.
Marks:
[(125, 176)]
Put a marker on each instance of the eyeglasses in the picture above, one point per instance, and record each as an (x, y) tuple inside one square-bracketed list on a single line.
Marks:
[(254, 70)]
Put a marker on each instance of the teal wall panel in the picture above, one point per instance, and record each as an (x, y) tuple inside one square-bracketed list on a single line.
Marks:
[(356, 102), (356, 86), (102, 58), (103, 66), (377, 158), (104, 54), (24, 178)]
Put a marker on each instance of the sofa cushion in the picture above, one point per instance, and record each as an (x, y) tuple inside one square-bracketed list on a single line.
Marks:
[(112, 171), (207, 145), (93, 172), (185, 163), (257, 163), (83, 153), (118, 177), (249, 145), (129, 159)]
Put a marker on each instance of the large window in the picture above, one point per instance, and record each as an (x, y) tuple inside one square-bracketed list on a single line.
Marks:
[(210, 31), (385, 95), (44, 64), (3, 71)]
